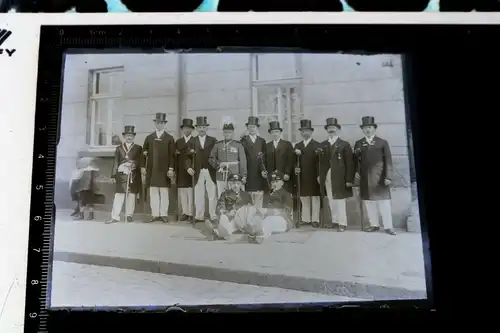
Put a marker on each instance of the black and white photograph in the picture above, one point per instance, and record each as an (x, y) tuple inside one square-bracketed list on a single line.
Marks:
[(234, 178)]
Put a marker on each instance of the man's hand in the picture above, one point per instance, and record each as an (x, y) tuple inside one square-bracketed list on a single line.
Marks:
[(263, 174), (286, 177), (170, 174), (357, 176), (348, 184), (387, 182), (298, 152), (113, 180), (145, 153), (190, 171), (317, 179), (297, 171), (223, 165)]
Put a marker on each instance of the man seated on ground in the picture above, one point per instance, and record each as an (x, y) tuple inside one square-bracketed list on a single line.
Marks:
[(278, 214), (234, 210)]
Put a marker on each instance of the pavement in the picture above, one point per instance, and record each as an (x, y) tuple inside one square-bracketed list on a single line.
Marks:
[(77, 285), (355, 264)]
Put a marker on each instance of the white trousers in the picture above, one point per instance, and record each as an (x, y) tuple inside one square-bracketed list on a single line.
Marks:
[(158, 198), (258, 199), (376, 209), (270, 225), (338, 207), (221, 187), (241, 221), (310, 209), (186, 199), (205, 183), (118, 201)]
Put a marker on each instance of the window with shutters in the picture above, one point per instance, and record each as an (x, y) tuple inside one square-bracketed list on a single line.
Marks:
[(276, 86), (105, 120)]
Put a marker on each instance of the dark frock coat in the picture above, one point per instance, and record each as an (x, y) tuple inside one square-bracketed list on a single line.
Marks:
[(183, 179), (281, 159), (339, 158), (255, 181), (374, 163), (201, 157), (161, 157), (229, 200), (135, 156), (309, 186)]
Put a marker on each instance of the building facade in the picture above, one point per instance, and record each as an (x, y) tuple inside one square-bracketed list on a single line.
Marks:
[(102, 93)]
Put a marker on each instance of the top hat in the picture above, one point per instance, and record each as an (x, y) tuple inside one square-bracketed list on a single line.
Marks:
[(368, 121), (275, 125), (186, 122), (129, 130), (201, 121), (276, 176), (160, 117), (253, 121), (332, 122), (234, 178), (306, 124)]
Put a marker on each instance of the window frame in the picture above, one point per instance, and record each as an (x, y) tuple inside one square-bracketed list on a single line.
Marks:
[(284, 84), (93, 99)]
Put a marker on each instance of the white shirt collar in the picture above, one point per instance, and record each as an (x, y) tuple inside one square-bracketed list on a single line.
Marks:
[(369, 139), (253, 137), (187, 138), (159, 132), (276, 142), (332, 140), (128, 145), (306, 142)]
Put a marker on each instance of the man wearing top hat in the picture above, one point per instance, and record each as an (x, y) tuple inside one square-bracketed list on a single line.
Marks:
[(126, 175), (159, 166), (307, 169), (184, 180), (279, 154), (204, 173), (255, 148), (337, 173), (228, 157), (373, 166)]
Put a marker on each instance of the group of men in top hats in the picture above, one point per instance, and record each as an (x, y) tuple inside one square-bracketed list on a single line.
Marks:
[(201, 164)]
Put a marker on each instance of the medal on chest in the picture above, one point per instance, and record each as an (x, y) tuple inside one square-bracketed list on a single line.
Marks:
[(127, 150)]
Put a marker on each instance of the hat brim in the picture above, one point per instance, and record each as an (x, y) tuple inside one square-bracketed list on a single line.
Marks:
[(190, 126), (246, 124), (198, 125), (131, 133), (306, 128), (338, 126), (275, 129), (160, 121), (374, 125)]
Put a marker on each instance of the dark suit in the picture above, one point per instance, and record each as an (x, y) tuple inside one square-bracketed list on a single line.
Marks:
[(309, 186), (204, 176), (280, 159), (256, 184)]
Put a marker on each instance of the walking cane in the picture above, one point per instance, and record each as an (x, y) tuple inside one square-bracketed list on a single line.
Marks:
[(193, 152), (320, 152), (360, 202), (144, 188), (126, 193), (299, 208), (261, 157)]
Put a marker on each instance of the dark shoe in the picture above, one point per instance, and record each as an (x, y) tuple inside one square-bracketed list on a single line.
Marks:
[(79, 216), (190, 219), (111, 221), (390, 232), (331, 226), (151, 219), (164, 219), (372, 229), (183, 218), (129, 219), (315, 224), (198, 221), (91, 216), (75, 213), (341, 228)]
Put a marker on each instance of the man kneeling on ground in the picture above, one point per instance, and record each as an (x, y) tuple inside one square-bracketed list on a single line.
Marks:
[(234, 210), (277, 214)]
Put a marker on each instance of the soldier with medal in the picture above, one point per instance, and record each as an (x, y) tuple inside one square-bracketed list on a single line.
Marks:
[(184, 180), (126, 176), (307, 169), (255, 148), (228, 157), (373, 165), (158, 171), (337, 173)]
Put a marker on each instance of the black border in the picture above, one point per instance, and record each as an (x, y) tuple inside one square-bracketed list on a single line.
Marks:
[(432, 55)]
